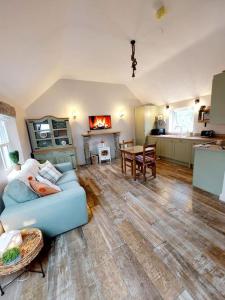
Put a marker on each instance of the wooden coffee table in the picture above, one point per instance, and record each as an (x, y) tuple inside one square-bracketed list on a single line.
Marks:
[(30, 248)]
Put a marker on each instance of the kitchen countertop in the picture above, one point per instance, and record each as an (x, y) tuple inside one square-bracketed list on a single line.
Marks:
[(209, 147), (194, 138)]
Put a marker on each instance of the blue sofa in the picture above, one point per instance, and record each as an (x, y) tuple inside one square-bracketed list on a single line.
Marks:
[(53, 214)]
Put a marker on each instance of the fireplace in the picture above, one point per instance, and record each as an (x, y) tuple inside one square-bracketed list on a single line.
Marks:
[(98, 134), (100, 122)]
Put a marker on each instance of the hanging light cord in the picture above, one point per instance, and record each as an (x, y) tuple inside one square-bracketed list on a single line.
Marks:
[(133, 59)]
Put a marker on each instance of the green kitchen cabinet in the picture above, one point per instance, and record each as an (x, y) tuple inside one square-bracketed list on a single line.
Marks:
[(209, 168), (144, 122), (154, 140), (178, 149), (166, 148), (193, 150), (217, 113), (182, 150)]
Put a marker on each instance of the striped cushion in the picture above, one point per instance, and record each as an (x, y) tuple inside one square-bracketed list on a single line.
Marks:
[(139, 158), (49, 172)]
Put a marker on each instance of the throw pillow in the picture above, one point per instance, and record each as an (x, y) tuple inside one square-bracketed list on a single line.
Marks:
[(18, 191), (49, 172), (29, 168), (46, 181), (40, 188)]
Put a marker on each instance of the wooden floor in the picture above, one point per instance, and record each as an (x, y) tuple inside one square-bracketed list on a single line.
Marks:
[(158, 240)]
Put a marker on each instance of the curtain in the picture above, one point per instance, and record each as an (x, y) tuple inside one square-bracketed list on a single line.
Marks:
[(7, 110), (4, 139)]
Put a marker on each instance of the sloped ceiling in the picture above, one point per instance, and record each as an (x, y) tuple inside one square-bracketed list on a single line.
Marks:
[(43, 41)]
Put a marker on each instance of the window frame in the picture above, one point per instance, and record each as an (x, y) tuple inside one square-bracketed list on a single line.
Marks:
[(5, 161), (173, 120)]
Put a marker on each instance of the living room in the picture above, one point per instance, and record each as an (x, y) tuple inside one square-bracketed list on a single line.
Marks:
[(112, 139)]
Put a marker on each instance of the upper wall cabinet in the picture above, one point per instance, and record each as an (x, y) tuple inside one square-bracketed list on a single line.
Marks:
[(217, 115), (144, 122)]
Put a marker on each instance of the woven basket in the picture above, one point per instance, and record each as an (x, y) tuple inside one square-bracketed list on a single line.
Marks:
[(29, 249)]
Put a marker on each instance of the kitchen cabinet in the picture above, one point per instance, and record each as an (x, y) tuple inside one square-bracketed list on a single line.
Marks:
[(193, 151), (144, 122), (167, 148), (178, 149), (182, 150), (209, 170), (217, 114), (154, 140)]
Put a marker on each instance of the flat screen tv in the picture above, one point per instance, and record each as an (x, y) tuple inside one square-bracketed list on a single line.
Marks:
[(100, 122)]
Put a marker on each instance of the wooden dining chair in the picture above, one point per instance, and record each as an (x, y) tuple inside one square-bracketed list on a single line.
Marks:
[(147, 160), (128, 160)]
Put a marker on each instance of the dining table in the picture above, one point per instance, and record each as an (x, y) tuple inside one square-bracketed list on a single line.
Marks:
[(132, 151)]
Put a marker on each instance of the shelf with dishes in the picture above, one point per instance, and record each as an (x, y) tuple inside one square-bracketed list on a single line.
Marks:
[(204, 114), (49, 132)]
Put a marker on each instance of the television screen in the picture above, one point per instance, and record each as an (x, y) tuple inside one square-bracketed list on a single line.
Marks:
[(100, 122)]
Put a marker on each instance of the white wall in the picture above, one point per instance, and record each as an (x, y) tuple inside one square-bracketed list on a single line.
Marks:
[(198, 127), (87, 98)]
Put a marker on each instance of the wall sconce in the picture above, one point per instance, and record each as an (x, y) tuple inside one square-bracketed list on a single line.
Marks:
[(197, 101), (167, 106), (121, 115), (74, 115)]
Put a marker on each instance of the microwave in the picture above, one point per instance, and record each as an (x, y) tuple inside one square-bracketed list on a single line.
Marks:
[(158, 131)]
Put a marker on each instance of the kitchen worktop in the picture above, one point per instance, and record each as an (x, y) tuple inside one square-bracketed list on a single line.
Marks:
[(209, 147), (197, 138)]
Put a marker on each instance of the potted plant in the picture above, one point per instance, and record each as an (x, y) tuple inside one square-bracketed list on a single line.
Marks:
[(11, 256), (14, 157)]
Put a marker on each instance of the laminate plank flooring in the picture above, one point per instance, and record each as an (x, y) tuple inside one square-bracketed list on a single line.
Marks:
[(162, 239)]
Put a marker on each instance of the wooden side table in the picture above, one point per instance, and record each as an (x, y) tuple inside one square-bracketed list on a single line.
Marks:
[(30, 248)]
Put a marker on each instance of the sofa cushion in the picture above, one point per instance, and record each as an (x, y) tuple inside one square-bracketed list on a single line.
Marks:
[(67, 177), (42, 189), (49, 183), (49, 172), (69, 185), (17, 192), (29, 168)]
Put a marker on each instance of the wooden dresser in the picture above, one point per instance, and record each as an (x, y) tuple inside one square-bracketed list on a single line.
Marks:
[(51, 139)]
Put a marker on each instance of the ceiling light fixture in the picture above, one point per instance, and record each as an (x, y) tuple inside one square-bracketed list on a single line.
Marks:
[(160, 12), (133, 59)]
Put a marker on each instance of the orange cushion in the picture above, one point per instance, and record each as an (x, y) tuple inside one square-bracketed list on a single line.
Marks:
[(40, 188)]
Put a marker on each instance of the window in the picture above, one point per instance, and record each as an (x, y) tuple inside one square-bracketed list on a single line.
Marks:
[(5, 162), (181, 120)]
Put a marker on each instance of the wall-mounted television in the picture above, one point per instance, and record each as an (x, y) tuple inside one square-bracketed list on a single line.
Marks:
[(100, 122)]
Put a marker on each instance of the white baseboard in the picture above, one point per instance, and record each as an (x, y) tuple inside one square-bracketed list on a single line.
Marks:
[(222, 197)]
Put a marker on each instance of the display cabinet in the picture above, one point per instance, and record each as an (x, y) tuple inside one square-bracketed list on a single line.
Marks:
[(51, 139)]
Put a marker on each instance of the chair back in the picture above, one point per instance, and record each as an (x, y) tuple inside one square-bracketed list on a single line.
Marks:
[(126, 144), (149, 150)]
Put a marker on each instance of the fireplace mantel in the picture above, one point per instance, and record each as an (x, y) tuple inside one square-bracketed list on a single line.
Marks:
[(87, 136), (94, 133)]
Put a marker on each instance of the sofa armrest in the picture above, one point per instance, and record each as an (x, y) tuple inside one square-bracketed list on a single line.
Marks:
[(64, 167)]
